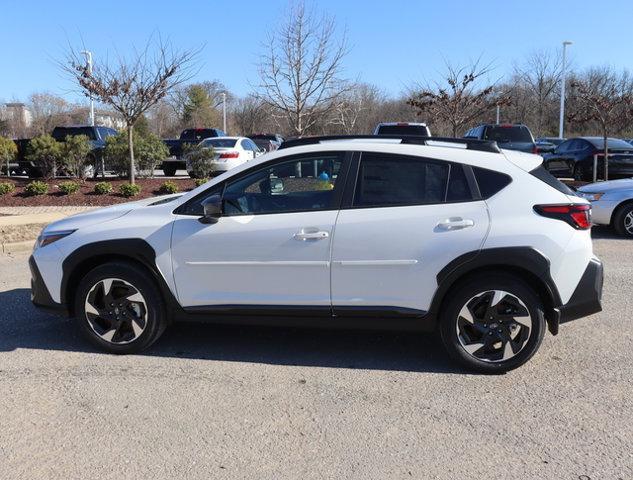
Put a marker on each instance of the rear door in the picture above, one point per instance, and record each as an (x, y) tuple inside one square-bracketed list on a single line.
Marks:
[(407, 218)]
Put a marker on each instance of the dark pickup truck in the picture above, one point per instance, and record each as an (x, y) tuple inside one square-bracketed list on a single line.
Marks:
[(178, 147), (96, 135)]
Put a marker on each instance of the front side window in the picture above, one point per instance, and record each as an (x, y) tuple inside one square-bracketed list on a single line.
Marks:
[(394, 180), (299, 185)]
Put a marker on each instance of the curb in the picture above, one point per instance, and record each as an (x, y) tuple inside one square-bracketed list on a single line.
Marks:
[(17, 247)]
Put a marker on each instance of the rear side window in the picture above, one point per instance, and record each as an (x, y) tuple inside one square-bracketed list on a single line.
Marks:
[(458, 188), (392, 180), (490, 182), (542, 174)]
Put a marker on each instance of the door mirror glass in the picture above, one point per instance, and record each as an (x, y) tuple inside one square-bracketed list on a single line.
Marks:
[(212, 208)]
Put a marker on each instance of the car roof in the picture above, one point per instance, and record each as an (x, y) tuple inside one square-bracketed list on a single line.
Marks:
[(403, 124)]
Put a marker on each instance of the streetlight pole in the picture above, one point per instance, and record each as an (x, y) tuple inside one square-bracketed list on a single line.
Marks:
[(88, 55), (561, 121), (224, 110)]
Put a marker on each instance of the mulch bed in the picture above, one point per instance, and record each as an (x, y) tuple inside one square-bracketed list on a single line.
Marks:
[(86, 195)]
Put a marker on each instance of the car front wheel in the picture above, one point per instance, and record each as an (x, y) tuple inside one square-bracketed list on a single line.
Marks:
[(119, 308), (623, 220), (493, 323)]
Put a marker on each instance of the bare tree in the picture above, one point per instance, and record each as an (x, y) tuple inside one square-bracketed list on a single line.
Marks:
[(357, 107), (300, 69), (250, 115), (132, 86), (48, 110), (603, 97), (461, 100), (540, 74)]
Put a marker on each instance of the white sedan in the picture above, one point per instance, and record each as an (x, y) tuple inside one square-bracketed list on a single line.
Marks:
[(229, 152)]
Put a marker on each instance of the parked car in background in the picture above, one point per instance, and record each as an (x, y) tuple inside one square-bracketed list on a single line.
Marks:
[(97, 136), (229, 152), (275, 139), (402, 128), (510, 136), (266, 145), (611, 204), (630, 140), (547, 144), (574, 158), (178, 147), (480, 244)]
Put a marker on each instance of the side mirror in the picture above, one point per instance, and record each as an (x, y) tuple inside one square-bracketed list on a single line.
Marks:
[(212, 208)]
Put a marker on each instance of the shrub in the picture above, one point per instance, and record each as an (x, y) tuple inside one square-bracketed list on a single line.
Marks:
[(130, 190), (46, 153), (103, 188), (68, 188), (149, 151), (6, 187), (36, 188), (199, 159), (76, 150), (8, 152), (168, 187), (200, 181)]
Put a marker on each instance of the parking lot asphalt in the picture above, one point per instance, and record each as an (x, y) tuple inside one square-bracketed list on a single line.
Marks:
[(228, 402)]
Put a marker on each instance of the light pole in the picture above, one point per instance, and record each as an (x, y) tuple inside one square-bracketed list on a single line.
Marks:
[(224, 110), (561, 120), (88, 55)]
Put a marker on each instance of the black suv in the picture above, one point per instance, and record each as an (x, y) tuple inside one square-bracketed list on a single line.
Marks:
[(511, 136)]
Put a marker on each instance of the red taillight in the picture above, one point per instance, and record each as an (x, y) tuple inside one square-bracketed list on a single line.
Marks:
[(230, 155), (535, 149), (578, 216)]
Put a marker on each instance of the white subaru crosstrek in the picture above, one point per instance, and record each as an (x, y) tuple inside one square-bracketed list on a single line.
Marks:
[(409, 233)]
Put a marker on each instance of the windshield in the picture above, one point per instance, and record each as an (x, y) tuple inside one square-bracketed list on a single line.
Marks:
[(403, 130), (508, 134), (219, 142)]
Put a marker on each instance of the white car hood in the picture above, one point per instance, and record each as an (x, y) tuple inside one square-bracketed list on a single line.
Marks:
[(611, 185), (101, 215)]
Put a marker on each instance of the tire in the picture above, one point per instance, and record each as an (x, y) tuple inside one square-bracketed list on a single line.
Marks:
[(131, 326), (497, 344), (623, 220), (169, 171)]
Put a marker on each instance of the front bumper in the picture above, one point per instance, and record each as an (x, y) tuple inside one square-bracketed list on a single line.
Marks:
[(586, 299), (40, 296)]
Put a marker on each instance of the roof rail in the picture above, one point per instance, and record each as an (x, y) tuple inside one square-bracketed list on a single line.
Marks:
[(470, 143)]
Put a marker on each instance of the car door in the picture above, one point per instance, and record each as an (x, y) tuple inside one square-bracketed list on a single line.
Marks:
[(271, 246), (558, 161), (407, 219)]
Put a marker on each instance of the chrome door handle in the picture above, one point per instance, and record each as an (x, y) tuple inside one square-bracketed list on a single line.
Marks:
[(455, 223), (305, 234)]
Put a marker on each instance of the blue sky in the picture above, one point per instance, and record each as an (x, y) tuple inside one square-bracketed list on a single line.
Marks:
[(394, 43)]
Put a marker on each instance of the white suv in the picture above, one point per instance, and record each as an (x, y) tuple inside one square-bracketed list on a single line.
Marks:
[(372, 232)]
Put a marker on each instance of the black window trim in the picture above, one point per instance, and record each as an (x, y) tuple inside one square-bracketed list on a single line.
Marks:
[(346, 158), (353, 176)]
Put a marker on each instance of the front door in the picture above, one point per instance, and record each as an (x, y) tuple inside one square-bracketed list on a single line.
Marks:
[(408, 219), (271, 246)]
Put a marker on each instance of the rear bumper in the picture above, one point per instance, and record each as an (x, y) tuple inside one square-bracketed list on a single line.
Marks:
[(586, 299), (40, 296)]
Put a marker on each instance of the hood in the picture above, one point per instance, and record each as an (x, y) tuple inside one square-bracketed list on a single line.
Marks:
[(611, 185), (102, 215)]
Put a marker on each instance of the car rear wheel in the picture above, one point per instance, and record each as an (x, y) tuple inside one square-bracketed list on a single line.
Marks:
[(493, 323), (623, 220), (119, 308)]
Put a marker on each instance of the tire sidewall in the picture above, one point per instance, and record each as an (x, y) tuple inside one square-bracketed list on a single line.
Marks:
[(146, 287), (618, 222), (464, 292)]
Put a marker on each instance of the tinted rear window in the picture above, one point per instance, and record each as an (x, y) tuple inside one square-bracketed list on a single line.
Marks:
[(60, 133), (264, 137), (542, 174), (490, 182), (218, 142), (612, 143), (403, 130), (198, 134), (509, 134)]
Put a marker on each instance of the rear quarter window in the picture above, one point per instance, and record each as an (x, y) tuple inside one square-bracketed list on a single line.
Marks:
[(490, 182)]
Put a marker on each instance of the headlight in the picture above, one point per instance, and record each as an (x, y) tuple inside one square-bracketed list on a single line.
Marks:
[(50, 237), (592, 197)]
